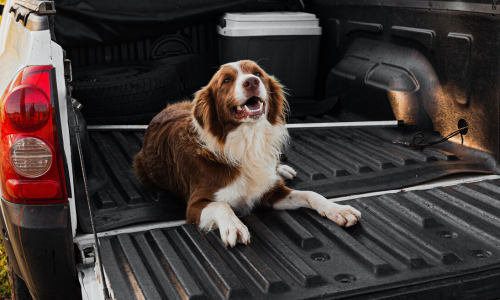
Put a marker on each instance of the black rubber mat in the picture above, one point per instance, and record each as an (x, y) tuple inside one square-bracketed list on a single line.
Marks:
[(331, 162), (117, 196), (442, 243), (339, 162)]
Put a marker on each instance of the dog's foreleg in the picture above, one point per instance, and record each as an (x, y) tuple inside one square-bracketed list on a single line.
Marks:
[(343, 215), (211, 215)]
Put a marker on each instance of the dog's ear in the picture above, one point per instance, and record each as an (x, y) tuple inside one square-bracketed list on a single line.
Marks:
[(205, 112), (201, 106), (278, 106)]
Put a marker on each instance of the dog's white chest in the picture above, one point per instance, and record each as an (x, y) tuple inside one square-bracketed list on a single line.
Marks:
[(255, 148), (248, 188)]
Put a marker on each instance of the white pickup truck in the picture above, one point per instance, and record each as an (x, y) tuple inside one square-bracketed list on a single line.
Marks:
[(80, 81)]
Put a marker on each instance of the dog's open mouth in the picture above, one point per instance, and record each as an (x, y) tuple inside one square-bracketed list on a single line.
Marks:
[(254, 108)]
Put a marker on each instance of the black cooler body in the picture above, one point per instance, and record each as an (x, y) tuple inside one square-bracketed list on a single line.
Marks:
[(284, 44)]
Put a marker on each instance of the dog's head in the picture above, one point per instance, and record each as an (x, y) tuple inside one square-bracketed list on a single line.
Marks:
[(240, 92)]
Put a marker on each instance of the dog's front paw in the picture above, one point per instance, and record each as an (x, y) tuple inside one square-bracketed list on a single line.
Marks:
[(233, 231), (286, 172), (342, 215)]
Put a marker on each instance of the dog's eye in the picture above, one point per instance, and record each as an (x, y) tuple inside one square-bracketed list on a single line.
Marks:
[(257, 74), (227, 80)]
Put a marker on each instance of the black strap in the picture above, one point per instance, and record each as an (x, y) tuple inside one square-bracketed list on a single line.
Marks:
[(418, 141), (84, 173)]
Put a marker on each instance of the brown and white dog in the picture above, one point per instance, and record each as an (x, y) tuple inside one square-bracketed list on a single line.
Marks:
[(221, 152)]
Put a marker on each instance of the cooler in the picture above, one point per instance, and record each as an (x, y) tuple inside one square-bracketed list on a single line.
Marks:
[(285, 44)]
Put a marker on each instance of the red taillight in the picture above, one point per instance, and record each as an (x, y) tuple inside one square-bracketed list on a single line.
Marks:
[(31, 161), (27, 108)]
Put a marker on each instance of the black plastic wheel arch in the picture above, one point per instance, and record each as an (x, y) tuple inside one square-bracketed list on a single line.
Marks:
[(447, 53)]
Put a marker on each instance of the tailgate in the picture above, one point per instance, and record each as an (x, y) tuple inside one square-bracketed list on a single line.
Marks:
[(440, 243)]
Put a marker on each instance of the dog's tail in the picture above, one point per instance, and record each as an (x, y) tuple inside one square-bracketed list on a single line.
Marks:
[(141, 169)]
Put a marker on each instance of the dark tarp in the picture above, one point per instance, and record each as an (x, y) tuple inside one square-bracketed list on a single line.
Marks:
[(102, 22)]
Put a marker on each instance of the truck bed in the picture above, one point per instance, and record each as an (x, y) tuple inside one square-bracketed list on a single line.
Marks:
[(441, 243), (332, 162)]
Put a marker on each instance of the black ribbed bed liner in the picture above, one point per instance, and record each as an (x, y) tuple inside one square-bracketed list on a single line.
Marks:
[(442, 243), (332, 162), (340, 162)]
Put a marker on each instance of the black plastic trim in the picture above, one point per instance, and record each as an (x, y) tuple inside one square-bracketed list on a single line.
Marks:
[(42, 243), (60, 136)]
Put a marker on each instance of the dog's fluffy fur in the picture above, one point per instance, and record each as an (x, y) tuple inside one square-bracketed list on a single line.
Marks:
[(223, 157)]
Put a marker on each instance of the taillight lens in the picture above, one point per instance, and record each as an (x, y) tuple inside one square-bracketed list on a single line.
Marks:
[(31, 161), (30, 157), (27, 108)]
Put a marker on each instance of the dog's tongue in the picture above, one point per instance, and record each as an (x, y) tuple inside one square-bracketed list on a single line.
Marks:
[(253, 105)]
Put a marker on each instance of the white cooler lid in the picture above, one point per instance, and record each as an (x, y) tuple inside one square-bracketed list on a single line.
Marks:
[(269, 23)]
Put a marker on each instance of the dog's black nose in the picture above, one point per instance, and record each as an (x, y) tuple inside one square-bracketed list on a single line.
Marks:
[(251, 83)]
